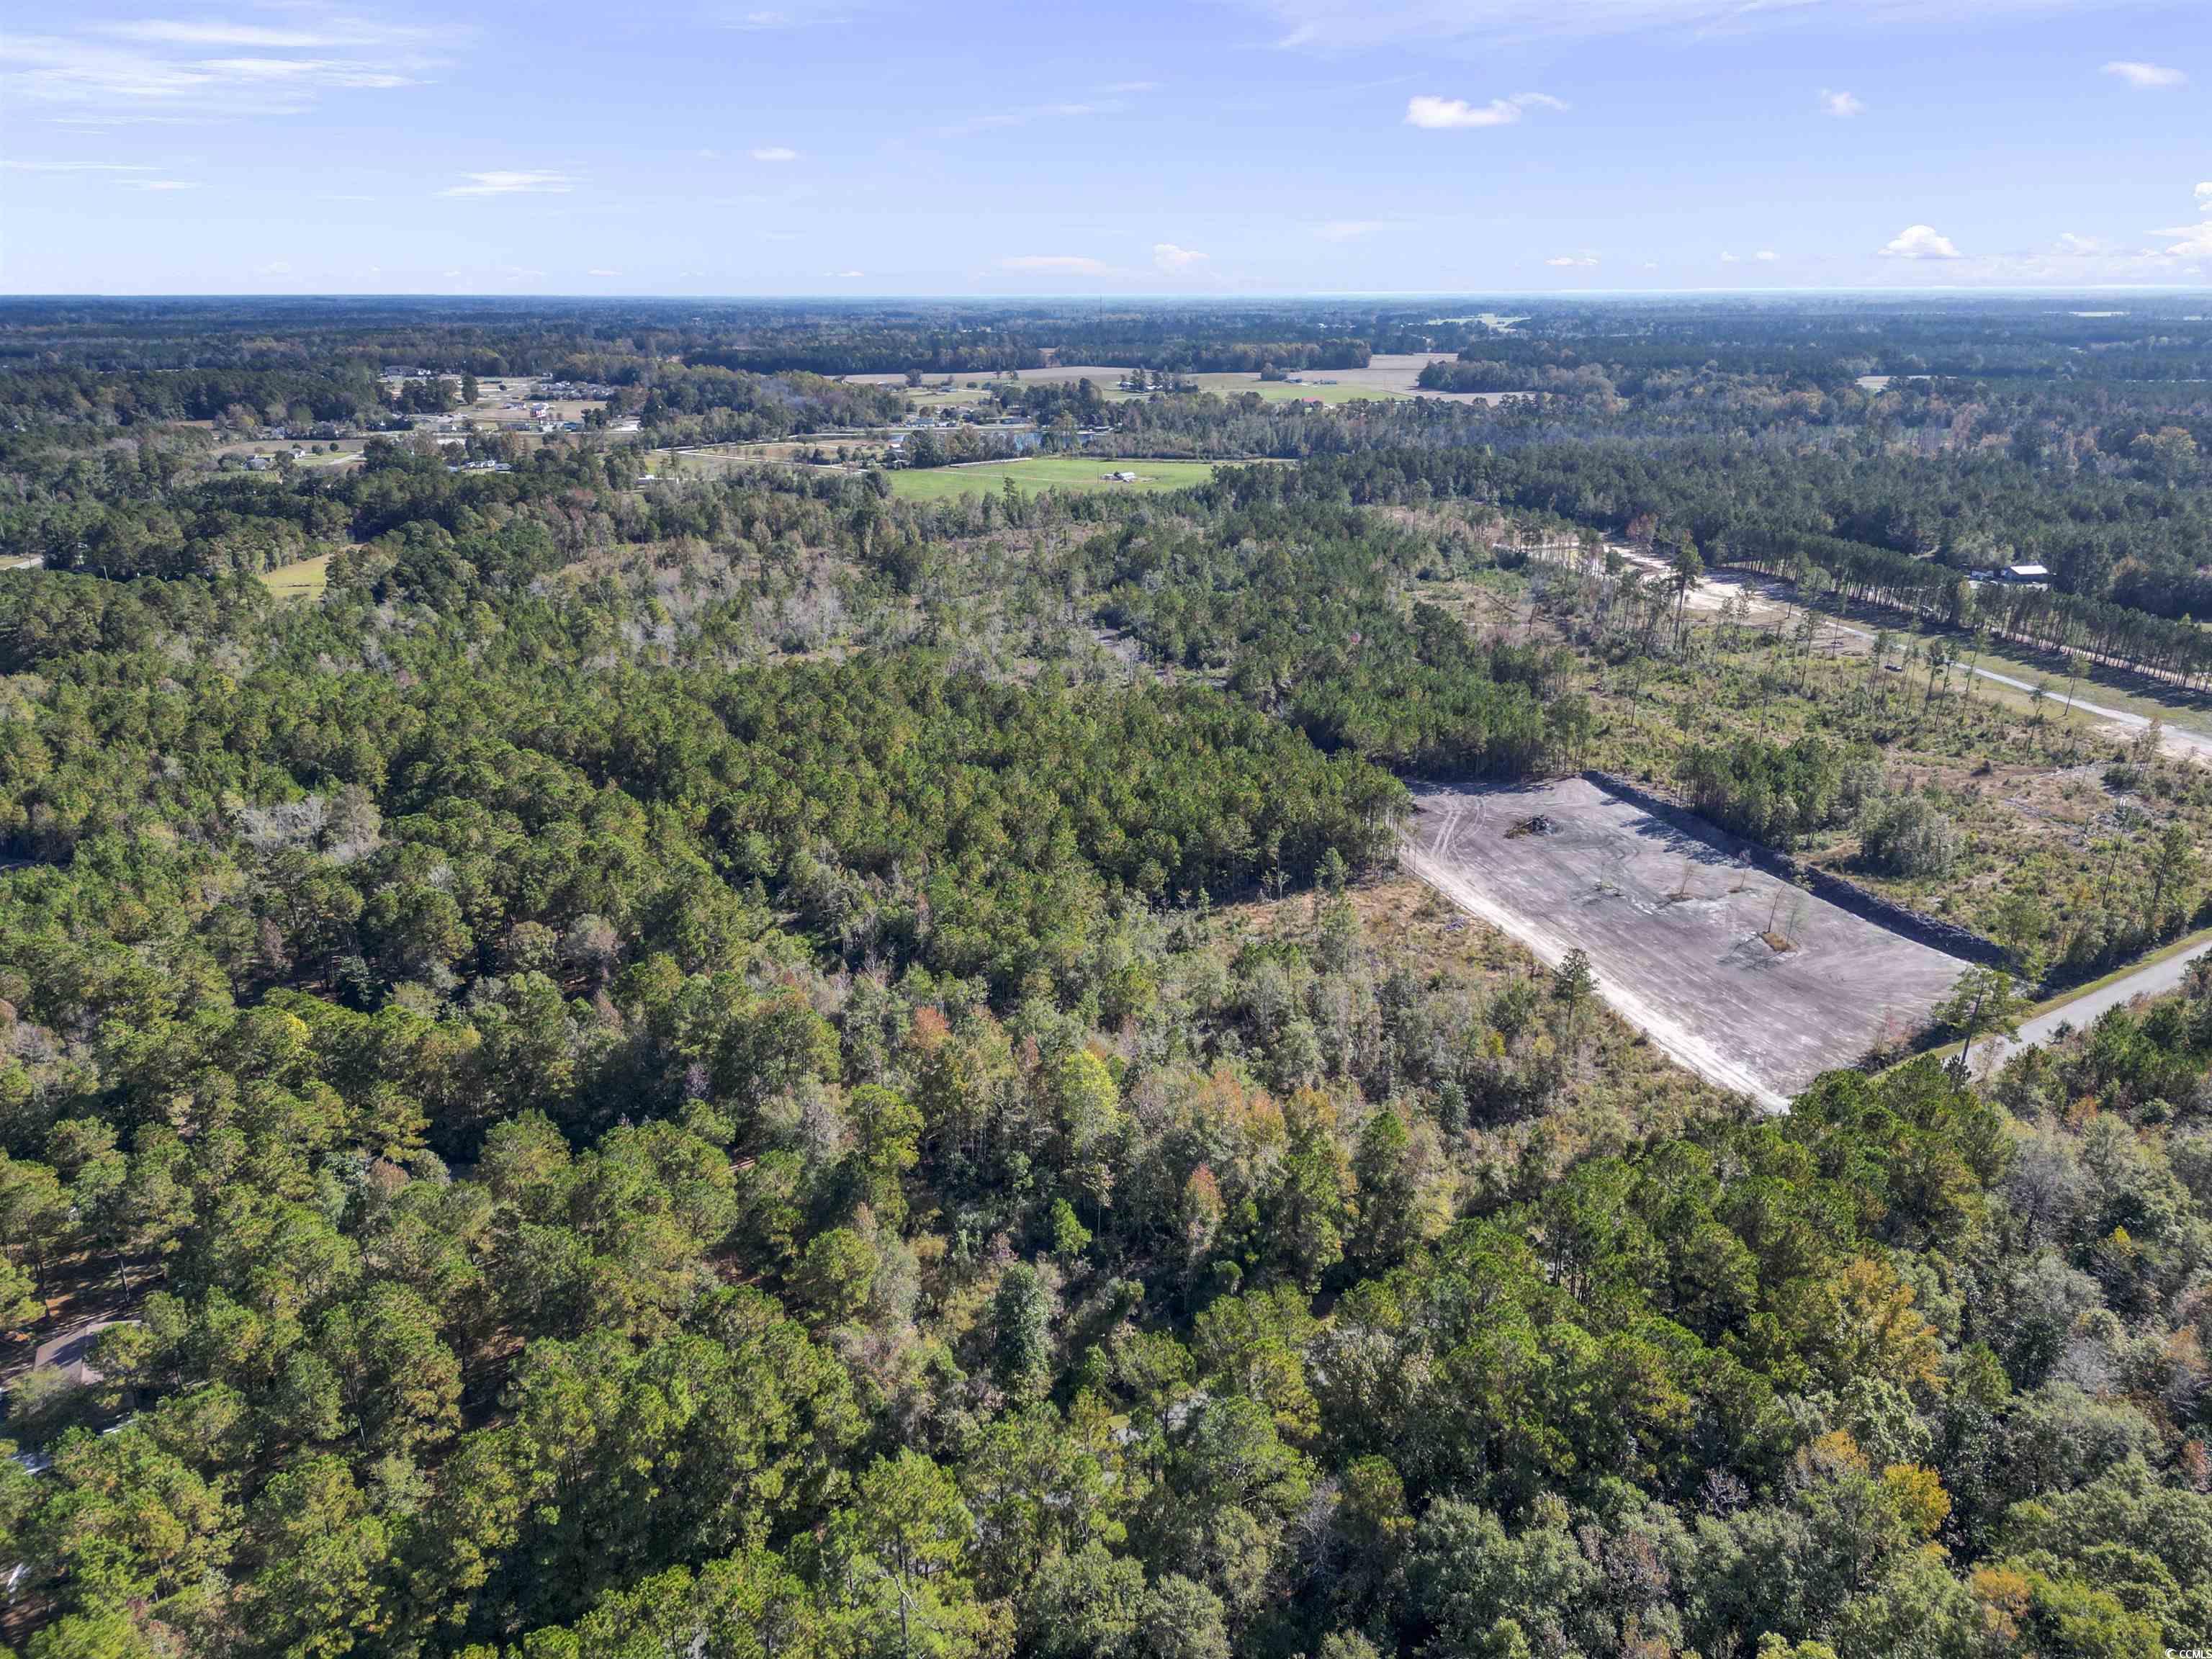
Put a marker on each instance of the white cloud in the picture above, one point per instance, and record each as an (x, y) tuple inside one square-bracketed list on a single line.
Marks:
[(847, 275), (2071, 246), (596, 271), (2148, 76), (511, 183), (775, 153), (1841, 104), (1766, 255), (1567, 260), (1920, 242), (159, 184), (1069, 264), (274, 267), (1728, 258), (2195, 241), (1347, 230), (1168, 256), (2204, 197), (1443, 114)]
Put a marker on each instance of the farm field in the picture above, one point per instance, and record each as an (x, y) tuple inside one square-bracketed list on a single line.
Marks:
[(1387, 374), (1046, 472), (1676, 930), (305, 580), (962, 380)]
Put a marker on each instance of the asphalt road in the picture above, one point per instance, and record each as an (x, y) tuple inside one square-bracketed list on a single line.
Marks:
[(2083, 1010)]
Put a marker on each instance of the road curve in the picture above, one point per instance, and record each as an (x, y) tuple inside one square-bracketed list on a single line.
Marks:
[(2150, 981)]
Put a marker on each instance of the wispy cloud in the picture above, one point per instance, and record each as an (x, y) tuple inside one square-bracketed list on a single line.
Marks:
[(1347, 230), (1766, 255), (1920, 242), (1566, 260), (1066, 264), (599, 272), (1441, 114), (512, 183), (327, 34), (2149, 77), (1841, 104), (1334, 26), (775, 153), (75, 167), (1168, 256), (160, 69), (159, 184), (998, 119), (793, 14)]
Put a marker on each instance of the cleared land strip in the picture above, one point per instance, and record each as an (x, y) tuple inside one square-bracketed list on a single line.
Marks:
[(1676, 929), (2191, 744)]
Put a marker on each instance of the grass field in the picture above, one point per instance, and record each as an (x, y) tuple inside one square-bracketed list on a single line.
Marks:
[(1319, 386), (304, 580), (942, 484)]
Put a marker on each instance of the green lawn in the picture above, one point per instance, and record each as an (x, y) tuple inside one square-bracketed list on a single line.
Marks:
[(1288, 392), (304, 580), (942, 484)]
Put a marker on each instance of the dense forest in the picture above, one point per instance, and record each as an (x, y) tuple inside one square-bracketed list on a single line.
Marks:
[(725, 1063)]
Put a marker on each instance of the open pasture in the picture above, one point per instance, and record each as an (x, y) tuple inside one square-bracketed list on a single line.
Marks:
[(305, 580), (942, 484)]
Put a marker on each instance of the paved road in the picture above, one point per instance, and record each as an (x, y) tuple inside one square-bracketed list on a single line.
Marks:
[(2083, 1010)]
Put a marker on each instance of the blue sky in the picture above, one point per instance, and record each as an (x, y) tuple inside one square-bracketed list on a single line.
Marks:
[(1227, 147)]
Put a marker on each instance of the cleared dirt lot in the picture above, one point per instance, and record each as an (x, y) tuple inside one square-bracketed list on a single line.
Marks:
[(1674, 926)]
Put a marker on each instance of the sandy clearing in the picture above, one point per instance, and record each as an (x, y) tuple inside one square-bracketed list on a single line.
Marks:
[(1673, 926)]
